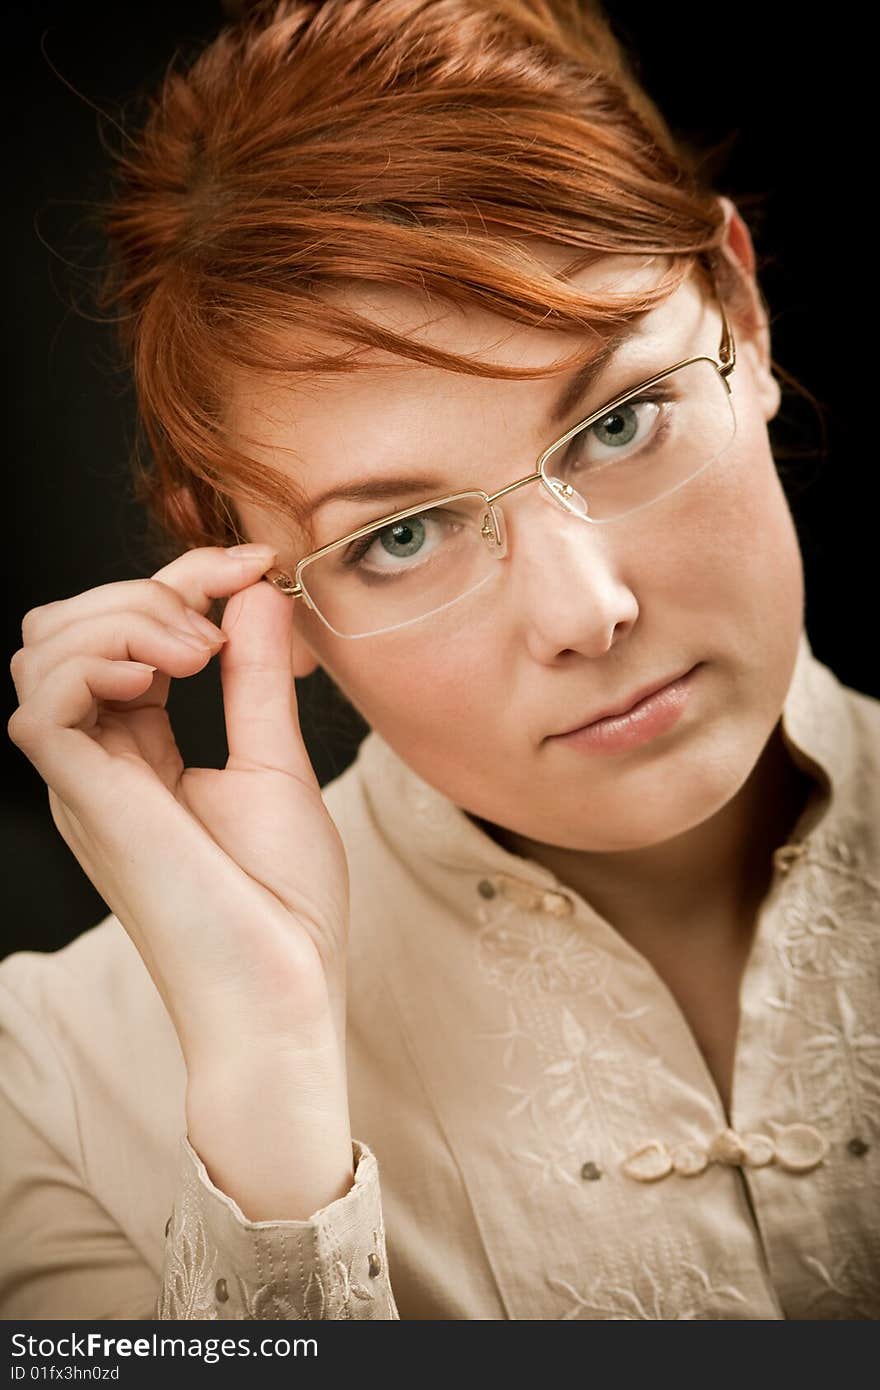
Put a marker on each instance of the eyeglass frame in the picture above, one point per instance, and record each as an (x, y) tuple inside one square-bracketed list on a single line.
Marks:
[(723, 366)]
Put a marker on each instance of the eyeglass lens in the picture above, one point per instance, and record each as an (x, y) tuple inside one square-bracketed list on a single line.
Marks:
[(639, 452)]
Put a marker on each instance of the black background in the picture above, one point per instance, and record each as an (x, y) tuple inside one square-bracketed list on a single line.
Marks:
[(787, 101)]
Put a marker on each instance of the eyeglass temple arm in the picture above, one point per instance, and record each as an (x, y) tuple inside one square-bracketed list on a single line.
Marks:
[(727, 350), (281, 580)]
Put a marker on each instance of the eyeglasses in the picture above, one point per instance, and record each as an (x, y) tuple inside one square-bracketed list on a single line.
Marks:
[(629, 454)]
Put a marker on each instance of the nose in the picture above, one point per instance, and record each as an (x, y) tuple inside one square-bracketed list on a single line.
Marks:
[(566, 580)]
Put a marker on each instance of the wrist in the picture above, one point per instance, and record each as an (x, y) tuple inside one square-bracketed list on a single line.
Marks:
[(275, 1140), (240, 1047)]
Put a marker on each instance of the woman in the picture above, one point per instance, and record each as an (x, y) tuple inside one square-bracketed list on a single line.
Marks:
[(560, 1001)]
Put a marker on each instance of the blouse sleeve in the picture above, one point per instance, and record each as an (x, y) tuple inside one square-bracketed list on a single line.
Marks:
[(64, 1255), (218, 1264)]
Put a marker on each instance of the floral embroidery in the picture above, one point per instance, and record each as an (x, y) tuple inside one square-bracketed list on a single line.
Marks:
[(188, 1283), (832, 1069), (850, 1289), (683, 1294), (828, 927), (572, 1087), (540, 955), (328, 1293)]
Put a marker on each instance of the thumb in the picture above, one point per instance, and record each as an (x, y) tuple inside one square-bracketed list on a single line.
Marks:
[(259, 694)]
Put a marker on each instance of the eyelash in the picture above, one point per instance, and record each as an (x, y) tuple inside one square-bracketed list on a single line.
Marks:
[(356, 550), (654, 395), (658, 394)]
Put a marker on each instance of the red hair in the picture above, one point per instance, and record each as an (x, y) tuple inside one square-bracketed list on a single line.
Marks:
[(412, 143)]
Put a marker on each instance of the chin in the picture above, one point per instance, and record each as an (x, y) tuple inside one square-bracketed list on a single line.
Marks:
[(671, 803)]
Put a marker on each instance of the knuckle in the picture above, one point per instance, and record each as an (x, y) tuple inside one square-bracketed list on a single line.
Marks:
[(161, 599), (22, 727), (112, 636), (33, 621), (19, 663), (157, 589)]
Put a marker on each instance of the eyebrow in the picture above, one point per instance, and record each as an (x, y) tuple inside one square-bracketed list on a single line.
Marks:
[(387, 489)]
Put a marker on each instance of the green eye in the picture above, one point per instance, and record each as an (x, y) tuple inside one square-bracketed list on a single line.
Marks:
[(619, 428), (404, 537)]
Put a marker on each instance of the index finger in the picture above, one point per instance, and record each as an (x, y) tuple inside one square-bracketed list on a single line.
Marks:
[(192, 580), (208, 572)]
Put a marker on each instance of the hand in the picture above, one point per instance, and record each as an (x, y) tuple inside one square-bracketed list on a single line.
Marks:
[(232, 884)]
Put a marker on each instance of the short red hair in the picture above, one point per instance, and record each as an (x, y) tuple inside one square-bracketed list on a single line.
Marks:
[(405, 142)]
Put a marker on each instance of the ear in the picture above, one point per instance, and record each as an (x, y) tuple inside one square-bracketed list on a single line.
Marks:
[(751, 329)]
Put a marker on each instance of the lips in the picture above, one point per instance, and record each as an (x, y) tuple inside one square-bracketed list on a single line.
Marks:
[(627, 705)]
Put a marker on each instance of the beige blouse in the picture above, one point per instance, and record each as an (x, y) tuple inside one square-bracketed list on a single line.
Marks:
[(538, 1134)]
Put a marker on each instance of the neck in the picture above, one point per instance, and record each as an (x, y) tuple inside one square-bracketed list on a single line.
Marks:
[(711, 878)]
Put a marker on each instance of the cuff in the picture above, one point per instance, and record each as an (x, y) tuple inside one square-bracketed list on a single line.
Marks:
[(220, 1265)]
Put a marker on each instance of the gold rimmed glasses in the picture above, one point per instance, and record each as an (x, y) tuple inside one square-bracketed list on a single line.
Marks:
[(629, 454)]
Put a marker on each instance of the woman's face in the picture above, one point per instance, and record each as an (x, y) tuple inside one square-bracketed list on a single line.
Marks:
[(578, 618)]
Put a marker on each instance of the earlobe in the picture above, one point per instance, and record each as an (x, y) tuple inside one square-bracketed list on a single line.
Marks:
[(767, 387)]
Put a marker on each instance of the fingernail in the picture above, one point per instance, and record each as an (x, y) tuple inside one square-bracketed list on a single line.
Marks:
[(251, 552), (190, 638), (203, 625)]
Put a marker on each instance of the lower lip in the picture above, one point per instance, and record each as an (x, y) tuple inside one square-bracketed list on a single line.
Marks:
[(655, 715)]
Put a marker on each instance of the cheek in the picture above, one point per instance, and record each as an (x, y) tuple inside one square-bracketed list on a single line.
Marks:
[(770, 599), (418, 690), (739, 592), (739, 561)]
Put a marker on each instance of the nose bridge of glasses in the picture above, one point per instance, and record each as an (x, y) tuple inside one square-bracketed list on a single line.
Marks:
[(553, 490), (558, 494)]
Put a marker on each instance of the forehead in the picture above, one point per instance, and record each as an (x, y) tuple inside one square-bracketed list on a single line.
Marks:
[(391, 415), (251, 399)]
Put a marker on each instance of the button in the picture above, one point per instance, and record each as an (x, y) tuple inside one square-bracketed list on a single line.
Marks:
[(590, 1172), (785, 856), (523, 895), (221, 1293), (649, 1163), (486, 889), (557, 904), (758, 1150), (726, 1147), (533, 899), (858, 1148), (375, 1265), (689, 1160), (800, 1148)]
